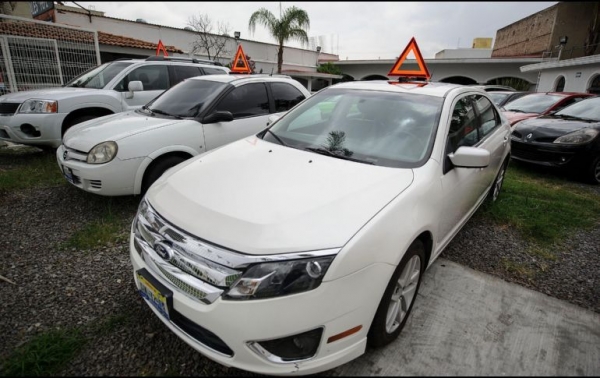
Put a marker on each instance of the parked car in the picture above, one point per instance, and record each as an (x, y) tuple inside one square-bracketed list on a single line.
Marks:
[(501, 98), (287, 252), (567, 139), (41, 117), (123, 154), (536, 104)]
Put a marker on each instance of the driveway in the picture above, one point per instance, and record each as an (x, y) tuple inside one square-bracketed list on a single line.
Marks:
[(469, 323)]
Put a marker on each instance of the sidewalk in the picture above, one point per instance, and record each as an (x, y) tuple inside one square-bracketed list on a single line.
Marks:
[(467, 323)]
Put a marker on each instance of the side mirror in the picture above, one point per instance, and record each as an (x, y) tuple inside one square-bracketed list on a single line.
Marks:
[(470, 157), (134, 86), (221, 116), (272, 118)]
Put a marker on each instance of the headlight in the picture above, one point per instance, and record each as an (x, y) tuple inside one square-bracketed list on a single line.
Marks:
[(39, 106), (276, 279), (102, 153), (578, 137)]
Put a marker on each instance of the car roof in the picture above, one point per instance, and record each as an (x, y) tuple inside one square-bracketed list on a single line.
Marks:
[(436, 89), (229, 78)]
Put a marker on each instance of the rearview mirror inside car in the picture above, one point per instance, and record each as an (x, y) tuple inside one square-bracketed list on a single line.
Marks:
[(220, 116), (470, 157)]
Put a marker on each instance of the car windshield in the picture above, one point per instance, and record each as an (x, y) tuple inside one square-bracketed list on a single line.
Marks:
[(587, 109), (498, 97), (533, 103), (373, 127), (187, 99), (98, 77)]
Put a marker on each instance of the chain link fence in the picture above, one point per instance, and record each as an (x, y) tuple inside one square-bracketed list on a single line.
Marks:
[(36, 54)]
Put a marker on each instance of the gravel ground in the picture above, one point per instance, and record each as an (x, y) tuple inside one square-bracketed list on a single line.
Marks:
[(65, 288)]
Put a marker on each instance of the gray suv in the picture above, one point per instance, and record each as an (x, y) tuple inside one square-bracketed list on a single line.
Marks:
[(41, 117)]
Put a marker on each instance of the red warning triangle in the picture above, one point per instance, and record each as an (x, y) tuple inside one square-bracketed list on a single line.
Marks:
[(240, 64), (421, 72), (161, 47)]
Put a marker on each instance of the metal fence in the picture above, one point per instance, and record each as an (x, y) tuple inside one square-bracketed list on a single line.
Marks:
[(36, 54)]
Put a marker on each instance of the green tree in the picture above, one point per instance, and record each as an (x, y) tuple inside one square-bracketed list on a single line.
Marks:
[(329, 68), (293, 24)]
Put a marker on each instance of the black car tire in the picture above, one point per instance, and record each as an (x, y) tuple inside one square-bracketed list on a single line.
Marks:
[(378, 335), (156, 170), (593, 172), (497, 186)]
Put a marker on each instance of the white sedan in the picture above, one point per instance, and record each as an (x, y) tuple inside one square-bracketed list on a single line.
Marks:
[(289, 251), (124, 153)]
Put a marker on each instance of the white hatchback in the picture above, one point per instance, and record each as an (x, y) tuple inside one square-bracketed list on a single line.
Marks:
[(287, 252), (124, 153)]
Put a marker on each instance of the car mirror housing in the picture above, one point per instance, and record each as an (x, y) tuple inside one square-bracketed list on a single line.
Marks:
[(135, 86), (220, 116), (470, 157), (272, 118)]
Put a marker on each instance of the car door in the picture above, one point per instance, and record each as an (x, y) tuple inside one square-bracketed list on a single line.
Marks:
[(461, 186), (154, 78), (250, 107)]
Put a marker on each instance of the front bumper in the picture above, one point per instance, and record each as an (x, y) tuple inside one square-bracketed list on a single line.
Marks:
[(115, 178), (336, 306), (552, 155), (49, 127)]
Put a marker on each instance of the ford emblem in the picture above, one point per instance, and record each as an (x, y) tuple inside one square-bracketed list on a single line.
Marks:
[(163, 250), (65, 155)]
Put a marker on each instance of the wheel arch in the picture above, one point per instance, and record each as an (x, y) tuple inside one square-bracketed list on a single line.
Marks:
[(180, 151), (97, 111)]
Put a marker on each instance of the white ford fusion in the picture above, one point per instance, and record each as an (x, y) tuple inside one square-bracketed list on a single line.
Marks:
[(289, 251), (124, 153)]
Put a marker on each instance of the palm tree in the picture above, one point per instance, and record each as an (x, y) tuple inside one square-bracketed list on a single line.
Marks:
[(292, 25)]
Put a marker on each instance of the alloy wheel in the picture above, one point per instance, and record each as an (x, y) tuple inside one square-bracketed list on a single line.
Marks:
[(403, 294)]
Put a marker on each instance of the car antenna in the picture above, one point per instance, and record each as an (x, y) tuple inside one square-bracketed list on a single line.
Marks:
[(271, 72)]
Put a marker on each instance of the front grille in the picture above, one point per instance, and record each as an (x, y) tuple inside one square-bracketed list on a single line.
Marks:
[(8, 108), (535, 153), (199, 333), (73, 154)]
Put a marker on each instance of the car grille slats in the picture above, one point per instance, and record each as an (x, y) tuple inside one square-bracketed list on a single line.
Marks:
[(538, 154)]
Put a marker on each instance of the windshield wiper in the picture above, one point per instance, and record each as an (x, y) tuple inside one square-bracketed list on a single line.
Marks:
[(158, 111), (566, 116), (278, 138), (324, 151), (517, 111)]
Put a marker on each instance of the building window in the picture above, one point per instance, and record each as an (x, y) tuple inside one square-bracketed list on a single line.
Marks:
[(560, 84), (595, 85)]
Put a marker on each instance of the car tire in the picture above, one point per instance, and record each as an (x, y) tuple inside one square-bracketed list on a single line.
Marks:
[(593, 172), (76, 121), (398, 298), (498, 181), (157, 169)]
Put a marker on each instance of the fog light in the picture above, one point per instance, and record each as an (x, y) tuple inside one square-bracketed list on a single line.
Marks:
[(289, 349), (30, 130)]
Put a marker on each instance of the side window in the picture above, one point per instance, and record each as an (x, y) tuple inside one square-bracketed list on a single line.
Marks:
[(463, 125), (152, 77), (489, 118), (285, 96), (246, 101), (213, 71), (180, 73)]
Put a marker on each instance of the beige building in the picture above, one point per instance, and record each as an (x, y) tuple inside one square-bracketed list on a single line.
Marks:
[(566, 29)]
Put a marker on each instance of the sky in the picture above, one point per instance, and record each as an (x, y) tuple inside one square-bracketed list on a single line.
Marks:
[(352, 30)]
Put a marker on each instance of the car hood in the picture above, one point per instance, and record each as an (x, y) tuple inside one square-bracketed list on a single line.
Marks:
[(259, 198), (514, 117), (58, 94), (546, 129), (113, 127)]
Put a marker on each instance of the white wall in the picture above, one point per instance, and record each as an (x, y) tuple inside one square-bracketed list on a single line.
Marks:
[(463, 53), (263, 54), (549, 78)]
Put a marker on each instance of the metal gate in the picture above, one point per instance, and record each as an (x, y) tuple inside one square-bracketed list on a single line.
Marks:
[(36, 54)]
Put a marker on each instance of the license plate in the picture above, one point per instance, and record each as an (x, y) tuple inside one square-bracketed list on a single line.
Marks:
[(155, 293), (68, 173)]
